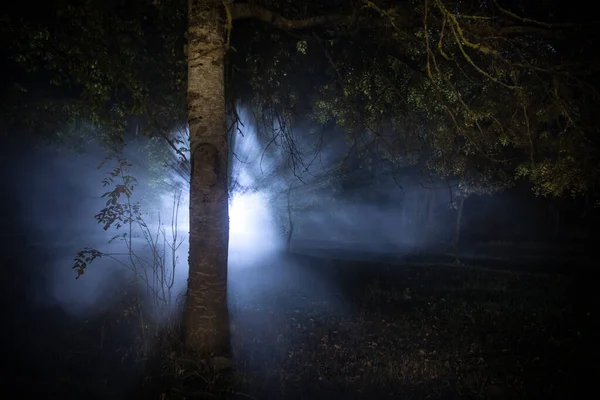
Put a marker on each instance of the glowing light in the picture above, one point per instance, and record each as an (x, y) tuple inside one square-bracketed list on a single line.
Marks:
[(251, 233), (245, 212)]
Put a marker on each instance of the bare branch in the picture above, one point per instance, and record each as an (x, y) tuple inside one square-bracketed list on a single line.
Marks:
[(518, 17), (528, 30), (241, 11)]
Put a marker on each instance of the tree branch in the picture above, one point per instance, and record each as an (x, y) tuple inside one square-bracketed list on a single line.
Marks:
[(529, 30), (241, 11)]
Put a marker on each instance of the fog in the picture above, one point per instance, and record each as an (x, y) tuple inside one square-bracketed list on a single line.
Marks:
[(57, 195), (252, 231), (53, 196), (293, 214)]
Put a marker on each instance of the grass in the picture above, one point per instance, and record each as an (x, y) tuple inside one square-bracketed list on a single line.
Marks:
[(389, 331)]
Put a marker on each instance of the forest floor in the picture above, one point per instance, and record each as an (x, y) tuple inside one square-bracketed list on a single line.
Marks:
[(314, 328), (311, 328)]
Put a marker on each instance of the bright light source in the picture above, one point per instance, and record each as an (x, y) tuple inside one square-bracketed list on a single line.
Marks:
[(245, 214), (251, 230)]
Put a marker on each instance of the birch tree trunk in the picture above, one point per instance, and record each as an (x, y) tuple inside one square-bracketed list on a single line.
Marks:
[(205, 317)]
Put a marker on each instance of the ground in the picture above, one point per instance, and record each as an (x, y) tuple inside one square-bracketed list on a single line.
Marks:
[(308, 328)]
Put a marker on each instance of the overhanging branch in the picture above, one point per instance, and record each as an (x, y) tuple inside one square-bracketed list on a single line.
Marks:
[(515, 30), (241, 11)]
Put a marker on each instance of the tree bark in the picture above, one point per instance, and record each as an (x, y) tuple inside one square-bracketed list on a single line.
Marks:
[(205, 320)]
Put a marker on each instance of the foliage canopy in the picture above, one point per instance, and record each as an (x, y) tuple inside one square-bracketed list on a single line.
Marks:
[(483, 92)]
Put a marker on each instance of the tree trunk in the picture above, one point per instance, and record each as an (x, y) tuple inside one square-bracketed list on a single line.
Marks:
[(458, 225), (430, 236), (205, 320), (290, 223)]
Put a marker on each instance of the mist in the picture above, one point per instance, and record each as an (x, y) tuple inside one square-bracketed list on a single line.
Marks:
[(55, 195), (304, 239)]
